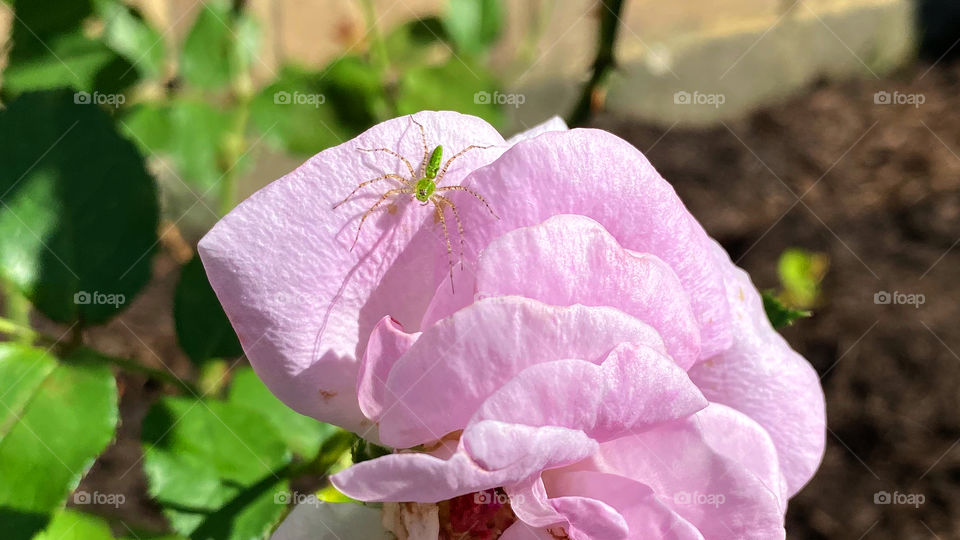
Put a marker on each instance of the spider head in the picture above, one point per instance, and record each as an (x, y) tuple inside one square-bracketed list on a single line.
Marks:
[(425, 188)]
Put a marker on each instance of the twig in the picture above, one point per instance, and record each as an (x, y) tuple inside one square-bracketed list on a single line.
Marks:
[(591, 100)]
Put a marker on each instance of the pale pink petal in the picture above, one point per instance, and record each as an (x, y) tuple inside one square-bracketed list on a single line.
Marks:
[(721, 496), (590, 519), (491, 454), (318, 520), (634, 389), (521, 531), (571, 259), (460, 361), (300, 300), (529, 501), (646, 517), (740, 438), (763, 377), (598, 175), (387, 342), (554, 124)]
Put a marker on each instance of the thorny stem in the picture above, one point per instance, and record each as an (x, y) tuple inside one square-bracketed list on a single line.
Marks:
[(592, 97)]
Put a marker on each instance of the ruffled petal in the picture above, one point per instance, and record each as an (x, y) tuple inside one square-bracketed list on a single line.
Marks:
[(571, 259), (596, 174), (387, 342), (761, 376), (722, 497), (456, 364), (491, 454), (301, 300), (634, 389)]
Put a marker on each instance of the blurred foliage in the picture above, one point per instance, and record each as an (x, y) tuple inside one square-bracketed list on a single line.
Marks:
[(800, 273), (57, 417), (96, 99)]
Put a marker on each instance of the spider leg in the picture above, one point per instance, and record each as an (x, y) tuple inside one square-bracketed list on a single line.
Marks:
[(423, 139), (456, 216), (438, 208), (394, 154), (472, 192), (455, 156), (374, 208), (403, 180)]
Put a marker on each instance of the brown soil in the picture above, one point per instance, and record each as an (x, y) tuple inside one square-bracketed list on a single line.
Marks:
[(880, 187)]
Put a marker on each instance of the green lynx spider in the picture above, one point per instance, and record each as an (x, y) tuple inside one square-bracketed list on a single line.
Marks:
[(424, 188)]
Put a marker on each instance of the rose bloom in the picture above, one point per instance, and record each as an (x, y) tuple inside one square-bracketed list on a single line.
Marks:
[(597, 369)]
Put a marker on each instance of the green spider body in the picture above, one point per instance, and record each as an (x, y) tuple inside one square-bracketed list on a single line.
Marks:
[(423, 188), (427, 185)]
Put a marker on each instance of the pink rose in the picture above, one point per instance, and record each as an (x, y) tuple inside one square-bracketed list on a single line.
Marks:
[(600, 368)]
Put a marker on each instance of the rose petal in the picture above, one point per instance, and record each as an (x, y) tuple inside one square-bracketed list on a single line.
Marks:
[(635, 503), (491, 454), (301, 301), (763, 377), (387, 342), (459, 362), (571, 259), (634, 389), (721, 496), (598, 175), (554, 124)]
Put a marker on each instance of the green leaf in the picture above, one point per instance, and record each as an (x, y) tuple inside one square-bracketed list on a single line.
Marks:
[(203, 330), (78, 220), (129, 35), (800, 273), (71, 525), (474, 25), (781, 315), (304, 435), (191, 133), (50, 50), (410, 43), (454, 86), (220, 47), (304, 112), (55, 419), (216, 469)]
